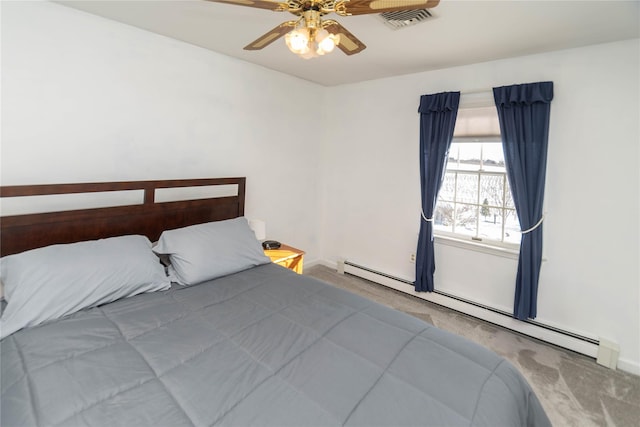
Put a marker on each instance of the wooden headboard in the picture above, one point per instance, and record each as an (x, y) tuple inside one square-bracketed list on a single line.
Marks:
[(19, 233)]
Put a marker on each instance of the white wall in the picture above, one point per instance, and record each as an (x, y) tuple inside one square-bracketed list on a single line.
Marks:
[(88, 99), (589, 282)]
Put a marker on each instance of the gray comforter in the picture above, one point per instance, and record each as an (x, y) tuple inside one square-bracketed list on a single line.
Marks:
[(262, 347)]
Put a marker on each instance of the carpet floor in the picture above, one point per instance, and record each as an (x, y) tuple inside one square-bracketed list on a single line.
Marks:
[(573, 389)]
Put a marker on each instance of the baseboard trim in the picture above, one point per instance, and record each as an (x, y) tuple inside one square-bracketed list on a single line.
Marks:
[(629, 366), (547, 333), (587, 347)]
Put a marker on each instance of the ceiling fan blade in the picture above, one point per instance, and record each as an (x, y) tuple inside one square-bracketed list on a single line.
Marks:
[(269, 37), (349, 43), (260, 4), (362, 7)]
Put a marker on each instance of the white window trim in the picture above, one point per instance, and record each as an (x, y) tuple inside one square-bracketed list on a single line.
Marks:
[(505, 250), (493, 248), (473, 100)]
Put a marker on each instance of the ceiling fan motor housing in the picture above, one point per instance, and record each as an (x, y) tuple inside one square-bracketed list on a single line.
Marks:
[(312, 19)]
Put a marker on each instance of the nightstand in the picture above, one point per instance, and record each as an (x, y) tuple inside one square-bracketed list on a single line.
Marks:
[(287, 256)]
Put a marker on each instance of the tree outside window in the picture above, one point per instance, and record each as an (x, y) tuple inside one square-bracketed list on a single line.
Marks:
[(475, 200)]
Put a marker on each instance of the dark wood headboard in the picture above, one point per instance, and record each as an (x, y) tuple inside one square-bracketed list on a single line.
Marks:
[(19, 233)]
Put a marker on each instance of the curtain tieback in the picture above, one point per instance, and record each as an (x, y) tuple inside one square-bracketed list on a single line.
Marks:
[(425, 218), (538, 224)]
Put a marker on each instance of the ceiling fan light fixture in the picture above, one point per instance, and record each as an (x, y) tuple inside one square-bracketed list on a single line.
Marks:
[(321, 34), (310, 53), (326, 41), (298, 40), (310, 43)]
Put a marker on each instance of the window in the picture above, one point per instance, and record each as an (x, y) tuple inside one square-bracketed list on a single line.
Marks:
[(475, 202)]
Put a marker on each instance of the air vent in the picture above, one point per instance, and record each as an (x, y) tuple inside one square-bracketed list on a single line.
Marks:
[(405, 18)]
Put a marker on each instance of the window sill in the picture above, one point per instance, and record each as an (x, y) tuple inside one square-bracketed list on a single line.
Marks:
[(478, 247)]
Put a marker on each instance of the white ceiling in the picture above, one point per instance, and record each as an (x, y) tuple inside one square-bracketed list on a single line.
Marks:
[(462, 32)]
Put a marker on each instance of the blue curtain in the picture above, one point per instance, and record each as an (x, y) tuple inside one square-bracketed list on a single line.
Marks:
[(523, 112), (437, 119)]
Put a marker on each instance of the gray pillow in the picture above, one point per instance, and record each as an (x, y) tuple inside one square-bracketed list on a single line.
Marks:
[(51, 282), (214, 249)]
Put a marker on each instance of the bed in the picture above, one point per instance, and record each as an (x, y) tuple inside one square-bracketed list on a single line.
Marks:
[(261, 346)]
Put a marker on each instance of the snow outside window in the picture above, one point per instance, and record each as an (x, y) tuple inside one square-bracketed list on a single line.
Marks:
[(475, 202)]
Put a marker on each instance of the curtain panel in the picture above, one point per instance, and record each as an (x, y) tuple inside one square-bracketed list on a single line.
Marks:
[(523, 113), (437, 120)]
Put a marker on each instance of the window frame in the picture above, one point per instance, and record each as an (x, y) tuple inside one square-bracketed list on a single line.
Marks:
[(453, 238), (478, 205)]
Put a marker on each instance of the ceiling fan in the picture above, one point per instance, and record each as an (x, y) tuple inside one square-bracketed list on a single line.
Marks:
[(309, 35)]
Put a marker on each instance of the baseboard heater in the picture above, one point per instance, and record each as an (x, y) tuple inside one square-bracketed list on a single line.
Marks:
[(570, 340)]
